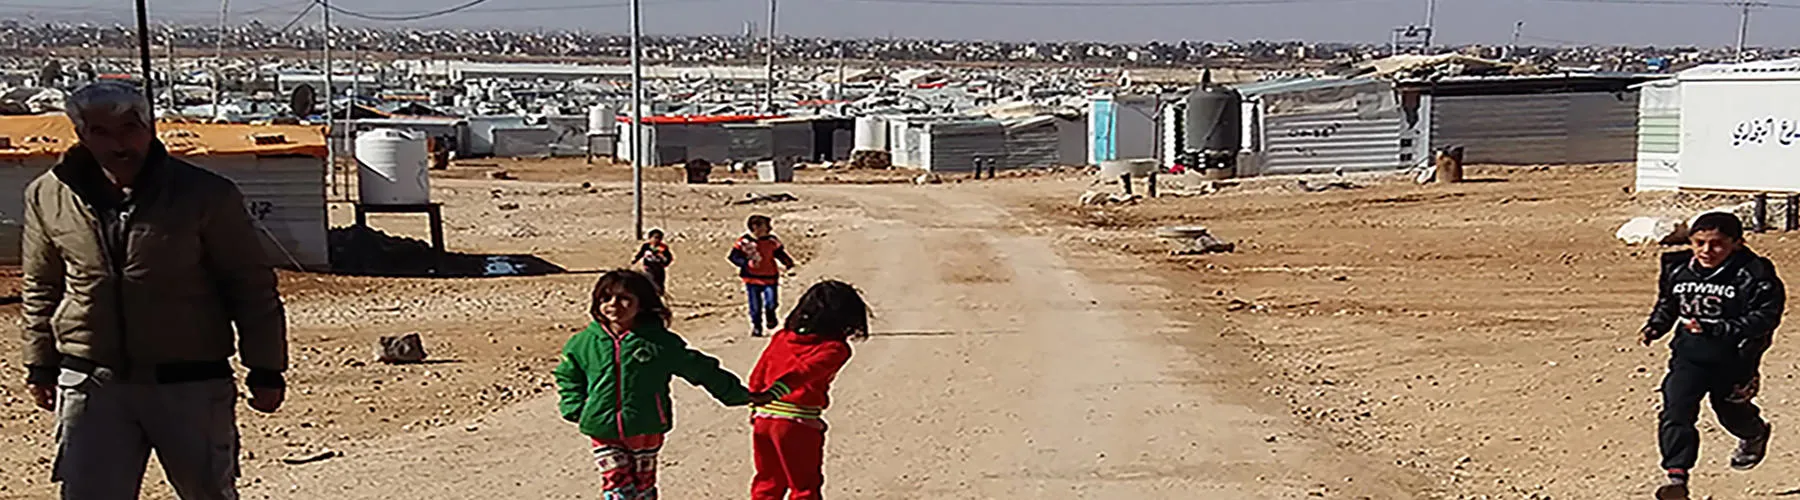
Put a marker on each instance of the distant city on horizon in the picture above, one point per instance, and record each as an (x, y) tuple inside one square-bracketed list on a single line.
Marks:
[(65, 38)]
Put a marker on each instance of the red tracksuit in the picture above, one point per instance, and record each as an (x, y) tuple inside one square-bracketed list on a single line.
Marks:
[(790, 432)]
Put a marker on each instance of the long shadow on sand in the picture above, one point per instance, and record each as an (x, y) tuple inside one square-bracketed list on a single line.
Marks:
[(363, 251)]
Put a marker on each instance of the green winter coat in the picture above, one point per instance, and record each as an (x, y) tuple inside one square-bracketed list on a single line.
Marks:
[(616, 388)]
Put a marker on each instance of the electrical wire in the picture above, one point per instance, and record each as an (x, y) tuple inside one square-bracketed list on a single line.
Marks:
[(297, 17), (1694, 3), (401, 18), (1138, 4)]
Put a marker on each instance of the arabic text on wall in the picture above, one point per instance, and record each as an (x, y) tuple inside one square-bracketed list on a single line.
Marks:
[(1767, 130)]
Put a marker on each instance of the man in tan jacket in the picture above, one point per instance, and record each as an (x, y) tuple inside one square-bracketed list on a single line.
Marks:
[(137, 268)]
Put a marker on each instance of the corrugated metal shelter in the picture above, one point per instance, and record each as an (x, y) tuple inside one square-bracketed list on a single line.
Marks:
[(530, 142), (907, 137), (1331, 125), (284, 190), (673, 143), (1659, 136), (481, 132), (569, 135), (1537, 119), (1044, 142), (749, 141), (953, 146)]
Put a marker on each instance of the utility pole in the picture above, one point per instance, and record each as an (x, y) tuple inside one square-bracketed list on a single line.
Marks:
[(169, 43), (637, 120), (769, 63), (1512, 49), (331, 164), (1744, 27), (1430, 17), (143, 26), (837, 90), (219, 60)]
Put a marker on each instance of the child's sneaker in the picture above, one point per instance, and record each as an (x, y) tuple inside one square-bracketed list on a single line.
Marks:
[(1750, 451), (756, 333), (1676, 488), (773, 324)]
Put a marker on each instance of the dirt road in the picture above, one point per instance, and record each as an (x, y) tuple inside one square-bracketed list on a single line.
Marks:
[(1004, 365)]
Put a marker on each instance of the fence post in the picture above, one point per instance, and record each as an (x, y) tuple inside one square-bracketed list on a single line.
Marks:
[(1793, 213), (1761, 217)]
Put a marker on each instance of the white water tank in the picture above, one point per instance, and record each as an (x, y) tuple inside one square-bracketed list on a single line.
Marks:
[(391, 168), (603, 119), (871, 134)]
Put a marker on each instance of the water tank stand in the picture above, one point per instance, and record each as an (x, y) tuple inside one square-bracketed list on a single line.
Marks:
[(432, 210)]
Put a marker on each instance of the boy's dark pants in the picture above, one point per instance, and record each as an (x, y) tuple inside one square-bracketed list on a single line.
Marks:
[(764, 299), (659, 275), (1683, 388)]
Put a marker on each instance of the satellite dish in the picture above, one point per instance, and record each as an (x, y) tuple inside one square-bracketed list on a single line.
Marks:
[(302, 100)]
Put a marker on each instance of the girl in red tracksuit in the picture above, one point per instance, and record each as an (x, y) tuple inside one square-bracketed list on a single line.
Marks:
[(796, 369)]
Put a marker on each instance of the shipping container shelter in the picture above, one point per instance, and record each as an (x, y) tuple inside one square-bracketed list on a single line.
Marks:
[(283, 184), (1122, 127), (1331, 125), (676, 143), (481, 132), (1568, 118), (1740, 127), (955, 146), (1659, 136)]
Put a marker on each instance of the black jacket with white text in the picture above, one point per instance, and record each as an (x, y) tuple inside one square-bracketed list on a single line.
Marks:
[(1738, 306)]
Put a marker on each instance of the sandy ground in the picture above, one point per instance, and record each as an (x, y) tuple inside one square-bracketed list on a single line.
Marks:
[(1482, 334), (1387, 342)]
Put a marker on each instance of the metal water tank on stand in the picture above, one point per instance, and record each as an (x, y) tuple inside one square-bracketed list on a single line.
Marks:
[(1213, 128), (602, 132), (871, 140), (391, 167), (603, 120), (392, 177), (871, 134)]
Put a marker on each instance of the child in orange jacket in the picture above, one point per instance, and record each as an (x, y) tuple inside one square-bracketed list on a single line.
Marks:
[(797, 369)]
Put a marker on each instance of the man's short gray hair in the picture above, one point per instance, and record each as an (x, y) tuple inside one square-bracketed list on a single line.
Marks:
[(112, 97)]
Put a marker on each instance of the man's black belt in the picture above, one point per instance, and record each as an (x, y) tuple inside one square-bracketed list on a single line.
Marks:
[(164, 373)]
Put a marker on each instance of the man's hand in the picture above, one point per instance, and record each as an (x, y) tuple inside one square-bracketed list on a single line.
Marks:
[(267, 399), (761, 398), (1648, 335), (44, 396)]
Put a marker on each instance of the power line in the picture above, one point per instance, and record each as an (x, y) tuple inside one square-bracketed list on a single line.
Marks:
[(1139, 4), (402, 18), (298, 17), (1687, 3)]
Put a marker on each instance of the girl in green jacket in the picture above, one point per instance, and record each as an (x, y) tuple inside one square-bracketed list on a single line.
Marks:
[(614, 382)]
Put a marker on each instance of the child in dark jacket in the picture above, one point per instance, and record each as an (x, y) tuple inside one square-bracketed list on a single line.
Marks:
[(655, 255), (797, 369), (614, 382), (1723, 303)]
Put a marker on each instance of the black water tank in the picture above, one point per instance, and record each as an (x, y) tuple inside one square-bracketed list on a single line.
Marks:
[(1214, 119)]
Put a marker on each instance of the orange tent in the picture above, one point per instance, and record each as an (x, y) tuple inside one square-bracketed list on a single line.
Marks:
[(51, 135)]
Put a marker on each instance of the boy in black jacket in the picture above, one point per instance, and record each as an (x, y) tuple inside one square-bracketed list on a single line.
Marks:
[(1723, 303)]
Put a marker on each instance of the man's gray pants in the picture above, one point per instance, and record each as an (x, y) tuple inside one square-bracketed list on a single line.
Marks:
[(105, 431)]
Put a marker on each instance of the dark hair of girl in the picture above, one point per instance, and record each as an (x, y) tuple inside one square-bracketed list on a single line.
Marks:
[(832, 309), (627, 282)]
